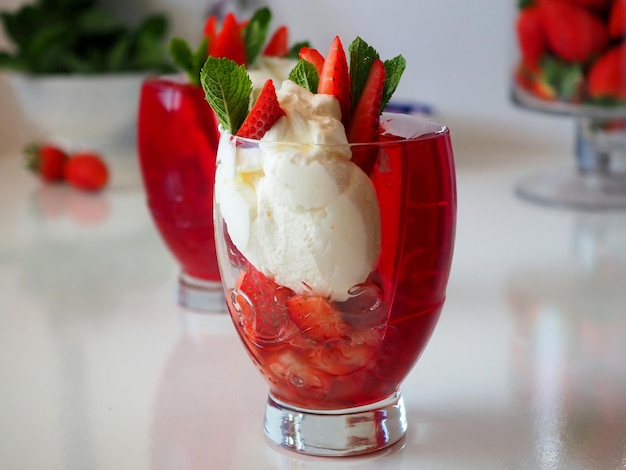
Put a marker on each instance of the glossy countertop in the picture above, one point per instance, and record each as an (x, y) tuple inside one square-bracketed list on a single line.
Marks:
[(101, 369)]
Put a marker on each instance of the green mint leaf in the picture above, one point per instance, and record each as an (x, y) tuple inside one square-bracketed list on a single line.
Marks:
[(181, 54), (189, 61), (227, 87), (361, 57), (199, 57), (294, 51), (255, 33), (394, 68), (305, 74)]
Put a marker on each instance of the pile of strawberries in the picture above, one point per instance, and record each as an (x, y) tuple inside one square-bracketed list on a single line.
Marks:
[(83, 170), (573, 50)]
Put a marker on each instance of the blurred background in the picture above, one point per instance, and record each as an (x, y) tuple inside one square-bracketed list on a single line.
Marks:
[(459, 58)]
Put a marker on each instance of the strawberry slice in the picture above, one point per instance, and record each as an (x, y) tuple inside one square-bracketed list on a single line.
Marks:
[(258, 305), (341, 357), (316, 318), (278, 45), (210, 28), (264, 113), (335, 78), (229, 42), (365, 123), (301, 384), (313, 56)]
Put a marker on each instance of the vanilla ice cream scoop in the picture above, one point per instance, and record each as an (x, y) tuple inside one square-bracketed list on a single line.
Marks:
[(301, 213)]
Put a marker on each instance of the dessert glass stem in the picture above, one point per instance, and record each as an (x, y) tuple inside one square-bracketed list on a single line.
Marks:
[(336, 433), (200, 295), (599, 180)]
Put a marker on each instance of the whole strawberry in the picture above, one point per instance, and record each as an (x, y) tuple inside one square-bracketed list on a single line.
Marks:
[(607, 76), (531, 36), (86, 171), (573, 33), (47, 161)]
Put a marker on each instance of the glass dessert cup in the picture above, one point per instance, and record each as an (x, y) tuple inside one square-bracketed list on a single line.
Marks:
[(177, 143), (571, 61), (334, 365)]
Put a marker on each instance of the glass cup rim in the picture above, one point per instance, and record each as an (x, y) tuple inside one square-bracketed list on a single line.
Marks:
[(173, 80), (431, 127)]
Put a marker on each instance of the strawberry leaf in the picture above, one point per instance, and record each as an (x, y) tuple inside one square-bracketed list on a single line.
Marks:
[(227, 88), (361, 57), (305, 74), (255, 33), (394, 68), (565, 77)]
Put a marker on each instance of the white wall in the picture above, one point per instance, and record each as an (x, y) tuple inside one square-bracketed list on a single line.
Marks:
[(459, 52)]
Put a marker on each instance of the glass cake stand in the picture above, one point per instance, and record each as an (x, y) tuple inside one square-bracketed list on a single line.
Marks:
[(598, 180)]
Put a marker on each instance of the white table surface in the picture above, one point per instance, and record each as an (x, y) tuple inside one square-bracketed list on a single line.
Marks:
[(101, 369)]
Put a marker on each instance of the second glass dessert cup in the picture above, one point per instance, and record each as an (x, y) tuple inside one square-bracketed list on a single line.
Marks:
[(177, 143), (334, 365)]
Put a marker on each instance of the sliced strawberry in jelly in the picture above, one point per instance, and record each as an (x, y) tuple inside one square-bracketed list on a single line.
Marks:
[(258, 305), (316, 318), (291, 369)]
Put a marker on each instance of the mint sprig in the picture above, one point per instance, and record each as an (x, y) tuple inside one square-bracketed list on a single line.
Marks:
[(294, 51), (255, 33), (305, 74), (189, 61), (361, 55), (394, 68), (227, 88)]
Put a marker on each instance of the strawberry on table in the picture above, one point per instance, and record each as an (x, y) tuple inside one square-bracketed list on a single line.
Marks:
[(47, 161), (86, 171)]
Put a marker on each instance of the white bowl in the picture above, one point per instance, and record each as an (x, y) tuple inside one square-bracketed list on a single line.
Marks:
[(80, 110)]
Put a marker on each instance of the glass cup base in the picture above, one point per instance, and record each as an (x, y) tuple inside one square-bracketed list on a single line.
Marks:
[(200, 295), (336, 433), (575, 190)]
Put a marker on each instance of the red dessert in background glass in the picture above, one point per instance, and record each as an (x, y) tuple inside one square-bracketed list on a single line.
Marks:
[(177, 142)]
